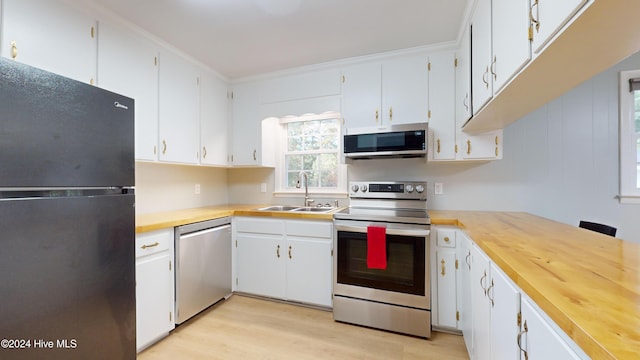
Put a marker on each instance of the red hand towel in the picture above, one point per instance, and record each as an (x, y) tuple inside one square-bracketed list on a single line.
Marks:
[(376, 247)]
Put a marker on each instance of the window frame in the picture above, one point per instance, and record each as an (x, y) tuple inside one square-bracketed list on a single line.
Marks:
[(628, 137), (281, 179)]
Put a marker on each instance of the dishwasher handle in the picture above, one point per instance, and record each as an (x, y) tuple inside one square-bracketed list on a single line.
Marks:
[(205, 231), (202, 225)]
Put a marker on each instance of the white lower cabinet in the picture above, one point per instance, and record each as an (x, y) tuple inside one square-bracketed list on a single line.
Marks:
[(496, 305), (284, 259), (445, 278), (498, 321), (465, 306), (260, 267), (538, 340), (154, 286)]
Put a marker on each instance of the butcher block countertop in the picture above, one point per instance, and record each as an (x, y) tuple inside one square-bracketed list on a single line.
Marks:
[(161, 220), (588, 283)]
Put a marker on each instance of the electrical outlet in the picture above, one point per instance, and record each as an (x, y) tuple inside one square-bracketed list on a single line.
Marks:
[(263, 187), (438, 190), (196, 189)]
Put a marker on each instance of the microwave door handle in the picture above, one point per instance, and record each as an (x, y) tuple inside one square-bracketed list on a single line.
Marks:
[(399, 232)]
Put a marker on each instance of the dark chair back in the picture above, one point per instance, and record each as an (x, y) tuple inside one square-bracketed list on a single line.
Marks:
[(601, 228)]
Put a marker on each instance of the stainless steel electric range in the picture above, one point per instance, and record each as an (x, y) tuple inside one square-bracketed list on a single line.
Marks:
[(395, 296)]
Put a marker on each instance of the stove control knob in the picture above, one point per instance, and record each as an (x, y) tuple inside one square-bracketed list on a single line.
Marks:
[(408, 188), (419, 189), (363, 188), (354, 188)]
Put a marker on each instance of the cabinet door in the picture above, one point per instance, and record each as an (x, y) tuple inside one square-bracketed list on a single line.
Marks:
[(50, 35), (480, 281), (538, 340), (127, 64), (505, 307), (549, 17), (246, 125), (179, 120), (213, 120), (481, 84), (405, 90), (511, 46), (441, 105), (482, 146), (309, 271), (361, 95), (463, 80), (447, 288), (154, 298), (261, 264), (465, 306)]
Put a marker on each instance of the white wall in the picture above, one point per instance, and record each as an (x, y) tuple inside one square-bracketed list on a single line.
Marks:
[(163, 187)]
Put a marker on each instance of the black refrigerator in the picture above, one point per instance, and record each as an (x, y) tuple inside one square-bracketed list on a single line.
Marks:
[(67, 219)]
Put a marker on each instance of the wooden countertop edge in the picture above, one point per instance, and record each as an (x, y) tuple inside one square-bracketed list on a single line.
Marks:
[(162, 220)]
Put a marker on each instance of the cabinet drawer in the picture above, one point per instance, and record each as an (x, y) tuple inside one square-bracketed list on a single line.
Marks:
[(446, 238), (260, 226), (318, 229), (153, 242)]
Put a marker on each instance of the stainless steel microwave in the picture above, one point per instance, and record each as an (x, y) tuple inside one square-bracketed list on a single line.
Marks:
[(405, 140)]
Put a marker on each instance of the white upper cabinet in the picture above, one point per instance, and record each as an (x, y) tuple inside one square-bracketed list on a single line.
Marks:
[(548, 17), (441, 112), (484, 146), (213, 120), (361, 92), (50, 35), (301, 86), (246, 125), (382, 94), (511, 46), (481, 82), (405, 90), (500, 46), (463, 79), (179, 120), (127, 64)]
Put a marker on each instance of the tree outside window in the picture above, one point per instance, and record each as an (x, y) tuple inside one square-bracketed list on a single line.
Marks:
[(313, 147)]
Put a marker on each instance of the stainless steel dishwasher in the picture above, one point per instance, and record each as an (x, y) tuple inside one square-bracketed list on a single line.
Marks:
[(203, 266)]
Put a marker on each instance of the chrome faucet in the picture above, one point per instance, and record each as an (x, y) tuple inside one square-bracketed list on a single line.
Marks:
[(303, 174)]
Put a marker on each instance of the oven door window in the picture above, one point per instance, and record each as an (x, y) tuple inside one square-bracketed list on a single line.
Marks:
[(405, 272)]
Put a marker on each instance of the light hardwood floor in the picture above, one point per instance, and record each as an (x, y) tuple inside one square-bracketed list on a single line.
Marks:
[(248, 328)]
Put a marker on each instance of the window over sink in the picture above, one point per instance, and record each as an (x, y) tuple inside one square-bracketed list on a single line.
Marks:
[(311, 143)]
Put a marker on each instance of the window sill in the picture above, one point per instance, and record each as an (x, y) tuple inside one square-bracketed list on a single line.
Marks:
[(629, 199)]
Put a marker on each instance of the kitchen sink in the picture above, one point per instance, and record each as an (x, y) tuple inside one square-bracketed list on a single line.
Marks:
[(313, 209), (279, 208), (297, 208)]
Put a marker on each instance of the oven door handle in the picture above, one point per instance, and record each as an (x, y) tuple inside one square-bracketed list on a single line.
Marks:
[(400, 232)]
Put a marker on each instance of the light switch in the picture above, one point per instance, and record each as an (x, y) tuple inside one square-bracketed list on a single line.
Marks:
[(263, 187), (438, 189)]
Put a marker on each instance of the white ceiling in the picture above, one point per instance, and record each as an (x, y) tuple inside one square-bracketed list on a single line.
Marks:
[(240, 38)]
